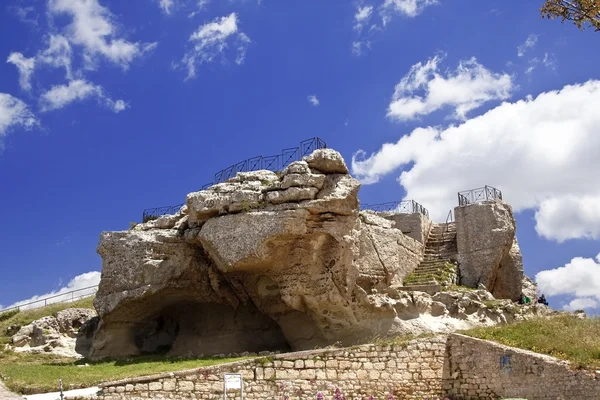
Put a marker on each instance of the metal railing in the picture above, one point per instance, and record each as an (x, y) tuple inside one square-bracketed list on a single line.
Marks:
[(399, 207), (68, 297), (153, 213), (478, 195), (275, 162), (449, 219)]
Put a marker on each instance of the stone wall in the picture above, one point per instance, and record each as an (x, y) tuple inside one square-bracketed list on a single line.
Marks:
[(455, 366), (414, 225), (407, 371), (478, 369)]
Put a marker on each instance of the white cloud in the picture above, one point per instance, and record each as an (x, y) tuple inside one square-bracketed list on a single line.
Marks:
[(93, 28), (408, 8), (312, 99), (529, 44), (549, 61), (543, 153), (58, 54), (581, 304), (465, 89), (362, 16), (27, 14), (25, 66), (579, 278), (211, 40), (83, 281), (77, 90), (14, 113), (200, 6), (166, 5), (358, 47)]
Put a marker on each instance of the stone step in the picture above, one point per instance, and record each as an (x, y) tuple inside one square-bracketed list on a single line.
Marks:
[(430, 289)]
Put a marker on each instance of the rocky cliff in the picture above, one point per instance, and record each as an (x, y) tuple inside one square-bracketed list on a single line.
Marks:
[(269, 261)]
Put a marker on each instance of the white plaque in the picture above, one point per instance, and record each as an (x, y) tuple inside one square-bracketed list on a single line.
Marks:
[(233, 381)]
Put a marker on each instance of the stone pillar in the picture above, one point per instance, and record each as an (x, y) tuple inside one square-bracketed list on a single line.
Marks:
[(414, 225), (488, 251)]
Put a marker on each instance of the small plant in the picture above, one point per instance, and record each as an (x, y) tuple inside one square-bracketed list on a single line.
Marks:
[(132, 225), (264, 360), (9, 314)]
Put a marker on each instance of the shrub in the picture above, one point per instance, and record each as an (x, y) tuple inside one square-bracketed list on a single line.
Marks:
[(9, 314)]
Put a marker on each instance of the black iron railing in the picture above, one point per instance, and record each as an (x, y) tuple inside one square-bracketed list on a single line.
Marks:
[(478, 195), (398, 207), (153, 213), (275, 162)]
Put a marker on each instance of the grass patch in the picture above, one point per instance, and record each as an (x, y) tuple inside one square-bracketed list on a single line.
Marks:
[(565, 337), (400, 340), (38, 373), (28, 374)]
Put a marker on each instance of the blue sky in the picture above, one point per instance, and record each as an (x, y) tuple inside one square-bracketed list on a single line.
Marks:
[(109, 107)]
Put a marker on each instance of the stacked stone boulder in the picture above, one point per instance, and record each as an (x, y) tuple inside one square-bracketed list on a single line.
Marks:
[(269, 261)]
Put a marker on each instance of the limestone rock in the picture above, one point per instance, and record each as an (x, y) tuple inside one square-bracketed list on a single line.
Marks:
[(53, 334), (327, 161), (529, 288), (487, 249), (297, 167), (283, 261)]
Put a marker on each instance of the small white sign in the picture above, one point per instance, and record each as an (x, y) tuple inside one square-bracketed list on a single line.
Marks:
[(233, 381)]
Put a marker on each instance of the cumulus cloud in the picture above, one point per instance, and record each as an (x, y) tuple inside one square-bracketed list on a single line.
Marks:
[(60, 96), (25, 66), (582, 303), (579, 278), (529, 44), (212, 39), (362, 16), (58, 54), (468, 87), (543, 153), (93, 28), (83, 281), (408, 8), (312, 99), (14, 113)]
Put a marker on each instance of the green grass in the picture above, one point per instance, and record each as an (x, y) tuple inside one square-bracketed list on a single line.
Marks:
[(29, 374), (565, 337), (38, 373)]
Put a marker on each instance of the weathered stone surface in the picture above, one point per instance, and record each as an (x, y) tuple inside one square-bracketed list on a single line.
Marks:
[(487, 247), (529, 288), (53, 334), (327, 161), (271, 261)]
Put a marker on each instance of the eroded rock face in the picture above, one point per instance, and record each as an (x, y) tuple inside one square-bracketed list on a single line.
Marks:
[(53, 334), (263, 261), (488, 251), (270, 261)]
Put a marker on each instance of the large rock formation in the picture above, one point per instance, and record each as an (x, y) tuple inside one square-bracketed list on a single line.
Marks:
[(488, 251), (268, 261)]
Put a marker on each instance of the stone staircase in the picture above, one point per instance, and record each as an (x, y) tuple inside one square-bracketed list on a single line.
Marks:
[(440, 251)]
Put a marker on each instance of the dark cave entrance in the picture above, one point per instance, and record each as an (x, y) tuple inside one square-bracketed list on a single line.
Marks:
[(188, 328)]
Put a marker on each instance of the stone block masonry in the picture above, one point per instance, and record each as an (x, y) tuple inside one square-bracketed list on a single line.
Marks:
[(455, 366), (409, 371), (478, 369)]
